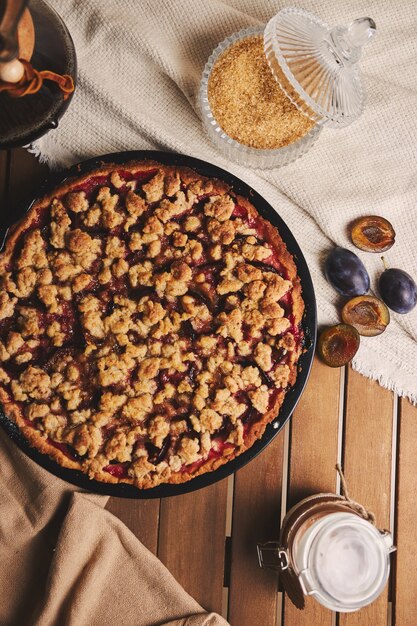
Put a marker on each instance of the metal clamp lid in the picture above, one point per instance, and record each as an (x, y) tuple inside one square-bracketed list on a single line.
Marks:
[(272, 556)]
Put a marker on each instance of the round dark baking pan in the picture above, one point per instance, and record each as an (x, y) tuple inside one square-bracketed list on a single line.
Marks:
[(309, 324)]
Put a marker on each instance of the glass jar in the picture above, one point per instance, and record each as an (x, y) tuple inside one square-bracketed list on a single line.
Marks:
[(327, 550), (315, 67)]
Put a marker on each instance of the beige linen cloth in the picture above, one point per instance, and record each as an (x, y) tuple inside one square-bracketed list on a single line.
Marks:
[(140, 65), (64, 561)]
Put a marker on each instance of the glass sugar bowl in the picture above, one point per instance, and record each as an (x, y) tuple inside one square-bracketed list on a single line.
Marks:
[(267, 92)]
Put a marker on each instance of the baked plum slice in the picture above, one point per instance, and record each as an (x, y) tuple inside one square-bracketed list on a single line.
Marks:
[(156, 455), (118, 470), (204, 295)]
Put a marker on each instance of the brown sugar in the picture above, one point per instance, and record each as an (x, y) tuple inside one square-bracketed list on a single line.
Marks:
[(247, 101)]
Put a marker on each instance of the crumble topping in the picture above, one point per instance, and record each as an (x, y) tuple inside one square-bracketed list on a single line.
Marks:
[(60, 223), (7, 305), (33, 383), (263, 356), (145, 325), (220, 207), (33, 252), (77, 202)]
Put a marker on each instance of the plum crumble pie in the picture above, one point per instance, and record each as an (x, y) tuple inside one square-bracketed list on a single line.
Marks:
[(150, 324)]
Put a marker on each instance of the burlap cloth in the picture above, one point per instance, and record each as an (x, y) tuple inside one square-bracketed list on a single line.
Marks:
[(140, 65), (65, 561)]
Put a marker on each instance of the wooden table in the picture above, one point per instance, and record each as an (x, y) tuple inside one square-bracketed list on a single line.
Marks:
[(207, 539)]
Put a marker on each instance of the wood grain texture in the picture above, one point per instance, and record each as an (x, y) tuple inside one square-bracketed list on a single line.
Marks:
[(26, 177), (367, 468), (406, 514), (4, 182), (192, 531), (313, 456), (4, 155), (256, 517), (140, 516)]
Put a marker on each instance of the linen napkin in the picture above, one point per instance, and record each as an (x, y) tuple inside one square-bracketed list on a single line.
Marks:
[(140, 65), (65, 561)]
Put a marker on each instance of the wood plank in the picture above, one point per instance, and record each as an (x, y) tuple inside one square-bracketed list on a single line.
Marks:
[(192, 542), (26, 176), (367, 468), (3, 173), (256, 517), (4, 179), (406, 527), (140, 516), (314, 442)]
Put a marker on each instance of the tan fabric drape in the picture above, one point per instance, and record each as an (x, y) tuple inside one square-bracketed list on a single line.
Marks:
[(65, 561)]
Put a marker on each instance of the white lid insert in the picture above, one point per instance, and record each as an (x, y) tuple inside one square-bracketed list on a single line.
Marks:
[(343, 561)]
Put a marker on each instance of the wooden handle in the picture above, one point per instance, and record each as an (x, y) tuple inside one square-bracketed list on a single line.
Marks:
[(9, 45)]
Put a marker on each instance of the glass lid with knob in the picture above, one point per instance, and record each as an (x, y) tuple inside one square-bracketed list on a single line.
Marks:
[(317, 66)]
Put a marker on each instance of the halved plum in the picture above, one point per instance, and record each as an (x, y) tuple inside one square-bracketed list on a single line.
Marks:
[(338, 344), (368, 314), (372, 233)]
